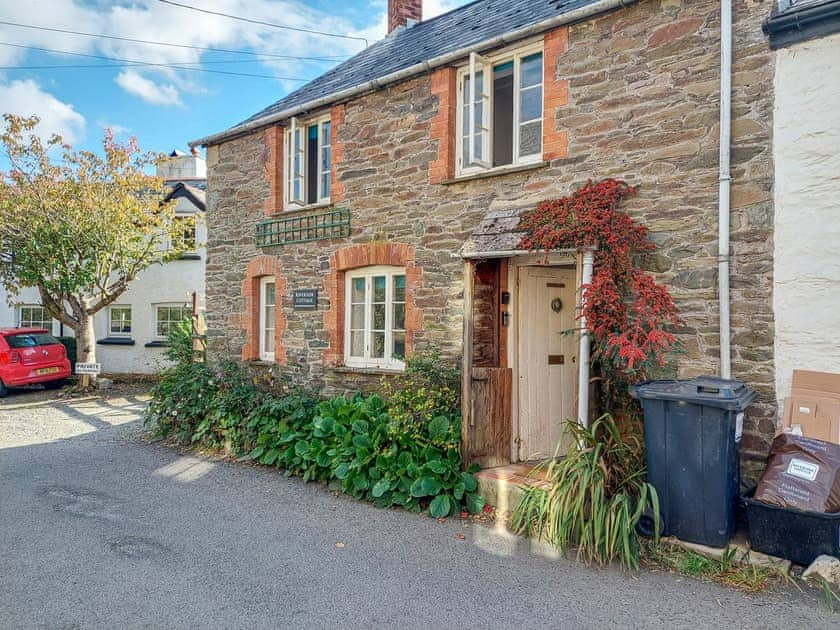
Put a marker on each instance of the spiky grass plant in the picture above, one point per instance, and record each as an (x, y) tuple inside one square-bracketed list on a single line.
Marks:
[(595, 495)]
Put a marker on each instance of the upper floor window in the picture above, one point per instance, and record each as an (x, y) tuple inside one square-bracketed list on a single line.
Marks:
[(34, 316), (308, 163), (375, 318), (500, 110), (185, 232)]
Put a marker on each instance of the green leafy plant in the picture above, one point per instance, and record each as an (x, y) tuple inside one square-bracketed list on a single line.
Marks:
[(425, 401), (388, 453), (594, 496)]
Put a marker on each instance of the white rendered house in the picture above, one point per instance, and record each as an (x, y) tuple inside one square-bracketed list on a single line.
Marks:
[(131, 332)]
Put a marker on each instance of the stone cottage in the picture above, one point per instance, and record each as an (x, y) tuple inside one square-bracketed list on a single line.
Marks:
[(373, 211)]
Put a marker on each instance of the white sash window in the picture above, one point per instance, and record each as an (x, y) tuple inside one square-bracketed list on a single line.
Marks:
[(374, 329), (500, 110)]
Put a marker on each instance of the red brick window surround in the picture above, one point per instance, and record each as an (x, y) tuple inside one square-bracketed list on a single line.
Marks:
[(252, 287), (555, 141), (273, 167), (358, 257), (447, 84)]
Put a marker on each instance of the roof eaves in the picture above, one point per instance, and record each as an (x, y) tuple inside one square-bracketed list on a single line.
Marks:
[(570, 17), (798, 23)]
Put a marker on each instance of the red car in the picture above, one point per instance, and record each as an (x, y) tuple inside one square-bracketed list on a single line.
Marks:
[(29, 356)]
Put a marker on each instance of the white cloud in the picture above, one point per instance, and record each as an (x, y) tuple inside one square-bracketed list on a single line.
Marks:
[(151, 92), (26, 98), (432, 8), (152, 20)]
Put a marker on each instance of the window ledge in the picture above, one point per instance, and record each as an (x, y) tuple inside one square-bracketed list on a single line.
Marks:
[(189, 256), (493, 172), (344, 369), (159, 343), (116, 341), (300, 209), (262, 363)]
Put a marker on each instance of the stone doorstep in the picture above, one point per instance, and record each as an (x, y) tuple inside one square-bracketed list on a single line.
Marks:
[(501, 486)]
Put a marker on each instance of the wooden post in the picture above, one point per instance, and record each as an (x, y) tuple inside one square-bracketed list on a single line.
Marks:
[(466, 361)]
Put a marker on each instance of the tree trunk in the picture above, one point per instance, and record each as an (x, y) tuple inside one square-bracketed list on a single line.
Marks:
[(86, 345)]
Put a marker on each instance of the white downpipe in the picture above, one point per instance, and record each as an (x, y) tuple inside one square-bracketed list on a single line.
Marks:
[(583, 353), (725, 179)]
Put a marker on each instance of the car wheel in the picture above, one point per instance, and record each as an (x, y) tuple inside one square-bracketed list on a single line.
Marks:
[(4, 391), (55, 384)]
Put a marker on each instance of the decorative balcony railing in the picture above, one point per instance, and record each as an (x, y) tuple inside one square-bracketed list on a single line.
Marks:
[(303, 229)]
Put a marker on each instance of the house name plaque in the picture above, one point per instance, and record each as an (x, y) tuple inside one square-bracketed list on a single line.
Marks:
[(305, 299)]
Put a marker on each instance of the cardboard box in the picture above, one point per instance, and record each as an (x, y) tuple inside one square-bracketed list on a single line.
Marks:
[(813, 407)]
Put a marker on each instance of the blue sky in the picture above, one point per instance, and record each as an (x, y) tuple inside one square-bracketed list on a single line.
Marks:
[(162, 106)]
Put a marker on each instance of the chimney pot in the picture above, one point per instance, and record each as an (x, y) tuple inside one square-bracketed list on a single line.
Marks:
[(403, 12)]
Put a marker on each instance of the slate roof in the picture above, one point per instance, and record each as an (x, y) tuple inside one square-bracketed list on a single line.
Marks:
[(498, 232), (468, 25), (197, 196)]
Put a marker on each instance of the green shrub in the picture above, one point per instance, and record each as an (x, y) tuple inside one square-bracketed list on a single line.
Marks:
[(424, 401), (389, 453), (595, 498), (180, 400), (352, 440)]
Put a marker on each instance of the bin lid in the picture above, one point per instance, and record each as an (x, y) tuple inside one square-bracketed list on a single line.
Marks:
[(730, 394)]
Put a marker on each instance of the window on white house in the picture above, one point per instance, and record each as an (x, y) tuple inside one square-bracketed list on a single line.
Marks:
[(268, 313), (119, 321), (167, 316), (375, 318), (184, 233), (308, 163), (500, 110), (34, 316)]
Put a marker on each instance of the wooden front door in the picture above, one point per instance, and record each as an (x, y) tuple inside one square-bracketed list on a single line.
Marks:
[(547, 358)]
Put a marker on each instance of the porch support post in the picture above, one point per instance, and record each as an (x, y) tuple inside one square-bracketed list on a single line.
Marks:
[(466, 361), (583, 353)]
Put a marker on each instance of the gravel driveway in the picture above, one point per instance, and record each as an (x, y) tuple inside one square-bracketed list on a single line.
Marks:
[(100, 529)]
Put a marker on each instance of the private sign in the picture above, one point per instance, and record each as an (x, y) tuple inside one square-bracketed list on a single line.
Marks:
[(88, 368)]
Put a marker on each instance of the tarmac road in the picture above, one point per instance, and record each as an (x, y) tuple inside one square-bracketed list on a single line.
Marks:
[(99, 529)]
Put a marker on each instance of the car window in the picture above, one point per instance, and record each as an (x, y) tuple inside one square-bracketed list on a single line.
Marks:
[(30, 340)]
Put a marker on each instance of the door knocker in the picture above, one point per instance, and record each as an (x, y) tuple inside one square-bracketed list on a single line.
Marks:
[(556, 305)]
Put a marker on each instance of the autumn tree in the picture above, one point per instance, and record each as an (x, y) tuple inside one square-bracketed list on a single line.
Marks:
[(76, 225)]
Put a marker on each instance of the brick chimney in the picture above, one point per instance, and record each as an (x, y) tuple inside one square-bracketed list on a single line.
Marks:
[(401, 11)]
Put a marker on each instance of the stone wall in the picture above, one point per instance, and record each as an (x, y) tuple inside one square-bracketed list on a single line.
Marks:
[(637, 97)]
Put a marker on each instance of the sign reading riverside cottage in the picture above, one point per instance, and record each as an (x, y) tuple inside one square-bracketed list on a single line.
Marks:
[(305, 299)]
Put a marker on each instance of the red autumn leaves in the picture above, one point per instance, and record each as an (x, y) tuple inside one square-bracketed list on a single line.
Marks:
[(628, 313)]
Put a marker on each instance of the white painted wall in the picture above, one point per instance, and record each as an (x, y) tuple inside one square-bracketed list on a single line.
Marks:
[(806, 151)]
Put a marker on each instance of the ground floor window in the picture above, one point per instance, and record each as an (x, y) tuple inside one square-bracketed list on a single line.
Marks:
[(375, 317), (167, 316), (119, 318), (34, 316), (268, 305)]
